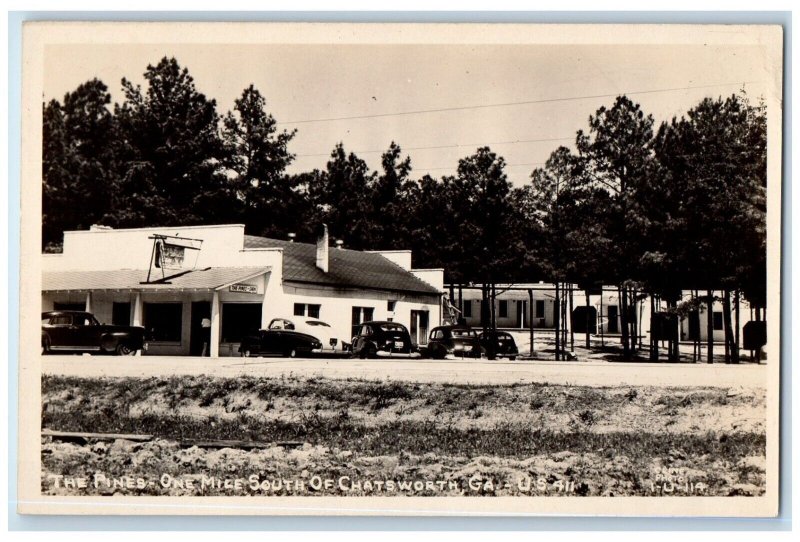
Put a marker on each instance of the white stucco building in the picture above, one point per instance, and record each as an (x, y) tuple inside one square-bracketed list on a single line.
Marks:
[(238, 282), (513, 310)]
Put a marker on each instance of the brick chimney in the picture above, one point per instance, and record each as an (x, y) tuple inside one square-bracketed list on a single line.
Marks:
[(322, 249)]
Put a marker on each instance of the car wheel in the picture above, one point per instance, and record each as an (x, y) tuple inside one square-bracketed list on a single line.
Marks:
[(291, 353), (246, 353), (512, 358), (124, 350), (45, 346)]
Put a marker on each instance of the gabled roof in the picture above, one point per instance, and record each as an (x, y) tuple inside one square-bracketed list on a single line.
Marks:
[(346, 268), (208, 279)]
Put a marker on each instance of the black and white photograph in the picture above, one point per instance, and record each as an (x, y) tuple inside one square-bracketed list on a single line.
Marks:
[(400, 269)]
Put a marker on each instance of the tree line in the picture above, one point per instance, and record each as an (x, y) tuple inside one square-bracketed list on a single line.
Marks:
[(651, 209)]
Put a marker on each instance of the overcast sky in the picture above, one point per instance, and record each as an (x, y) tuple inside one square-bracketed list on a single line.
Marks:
[(313, 82)]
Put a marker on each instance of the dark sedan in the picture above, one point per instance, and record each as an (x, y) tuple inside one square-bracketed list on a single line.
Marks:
[(451, 342), (383, 339), (499, 344), (280, 339), (78, 331)]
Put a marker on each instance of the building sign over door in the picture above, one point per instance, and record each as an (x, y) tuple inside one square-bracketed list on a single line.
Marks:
[(244, 288)]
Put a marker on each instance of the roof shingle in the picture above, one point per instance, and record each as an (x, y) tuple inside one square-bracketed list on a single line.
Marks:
[(349, 268)]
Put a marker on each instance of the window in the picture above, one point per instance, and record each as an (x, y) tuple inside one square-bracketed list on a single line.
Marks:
[(62, 320), (503, 309), (718, 321), (303, 309), (239, 320), (121, 314), (164, 321), (362, 314), (85, 320), (437, 334), (390, 305), (468, 308), (540, 308)]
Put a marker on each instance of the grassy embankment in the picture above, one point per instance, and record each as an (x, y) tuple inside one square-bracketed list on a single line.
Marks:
[(609, 440)]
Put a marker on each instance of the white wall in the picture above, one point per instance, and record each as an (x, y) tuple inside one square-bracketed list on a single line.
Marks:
[(223, 246), (434, 277), (337, 304), (399, 257)]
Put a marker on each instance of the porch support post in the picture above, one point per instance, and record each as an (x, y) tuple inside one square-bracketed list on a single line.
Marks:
[(264, 311), (137, 310), (215, 325), (136, 316)]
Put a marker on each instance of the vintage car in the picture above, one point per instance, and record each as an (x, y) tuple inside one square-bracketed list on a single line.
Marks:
[(451, 342), (498, 344), (383, 339), (279, 339), (331, 344), (318, 329), (78, 331)]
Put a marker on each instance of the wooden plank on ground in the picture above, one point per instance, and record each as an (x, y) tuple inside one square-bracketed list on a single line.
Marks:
[(243, 444), (96, 436)]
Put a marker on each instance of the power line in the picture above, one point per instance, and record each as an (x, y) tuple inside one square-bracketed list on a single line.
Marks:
[(456, 166), (507, 104), (454, 146)]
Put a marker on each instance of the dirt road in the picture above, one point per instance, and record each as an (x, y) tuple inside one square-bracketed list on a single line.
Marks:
[(450, 371)]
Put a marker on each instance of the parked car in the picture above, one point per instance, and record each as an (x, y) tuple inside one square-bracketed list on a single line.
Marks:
[(331, 344), (451, 342), (499, 342), (383, 339), (279, 339), (78, 331)]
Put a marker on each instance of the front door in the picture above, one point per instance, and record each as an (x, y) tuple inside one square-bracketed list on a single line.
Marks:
[(419, 327), (522, 310), (613, 315), (199, 335)]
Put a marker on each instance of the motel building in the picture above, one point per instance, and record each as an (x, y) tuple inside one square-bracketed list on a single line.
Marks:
[(173, 281), (520, 305)]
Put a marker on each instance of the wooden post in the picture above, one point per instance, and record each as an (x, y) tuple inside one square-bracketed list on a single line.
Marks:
[(530, 312), (710, 326), (601, 319), (588, 320), (736, 313), (215, 325), (569, 320), (557, 322), (653, 341)]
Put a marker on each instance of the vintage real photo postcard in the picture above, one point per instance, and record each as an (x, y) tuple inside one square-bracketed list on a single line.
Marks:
[(400, 269)]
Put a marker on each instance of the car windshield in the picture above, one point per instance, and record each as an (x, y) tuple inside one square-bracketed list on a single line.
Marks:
[(392, 327), (317, 323), (463, 333)]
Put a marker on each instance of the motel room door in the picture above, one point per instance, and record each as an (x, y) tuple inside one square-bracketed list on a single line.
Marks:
[(419, 327)]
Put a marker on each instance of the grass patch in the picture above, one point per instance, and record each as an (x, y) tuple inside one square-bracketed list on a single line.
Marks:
[(502, 440)]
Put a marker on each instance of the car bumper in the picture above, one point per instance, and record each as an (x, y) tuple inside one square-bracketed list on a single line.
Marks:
[(408, 355)]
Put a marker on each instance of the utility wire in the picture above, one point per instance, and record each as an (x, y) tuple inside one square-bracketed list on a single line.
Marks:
[(455, 146), (507, 104)]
